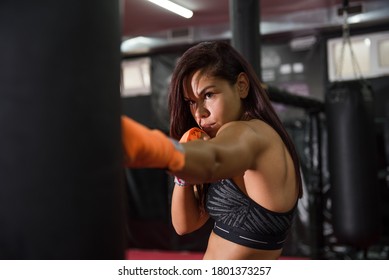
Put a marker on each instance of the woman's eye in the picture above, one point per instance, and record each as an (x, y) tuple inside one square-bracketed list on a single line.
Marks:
[(208, 95)]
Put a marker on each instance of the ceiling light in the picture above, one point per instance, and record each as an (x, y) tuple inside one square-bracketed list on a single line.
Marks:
[(139, 44), (173, 7)]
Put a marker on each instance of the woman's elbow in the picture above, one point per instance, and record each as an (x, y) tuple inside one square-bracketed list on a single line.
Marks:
[(181, 232), (181, 228)]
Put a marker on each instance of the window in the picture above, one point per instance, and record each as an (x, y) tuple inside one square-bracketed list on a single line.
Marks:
[(136, 77), (383, 53), (371, 52)]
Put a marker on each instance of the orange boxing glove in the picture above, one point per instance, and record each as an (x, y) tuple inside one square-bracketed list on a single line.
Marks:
[(146, 148), (192, 134)]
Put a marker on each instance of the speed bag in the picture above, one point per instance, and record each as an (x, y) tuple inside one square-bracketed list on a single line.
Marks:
[(352, 163)]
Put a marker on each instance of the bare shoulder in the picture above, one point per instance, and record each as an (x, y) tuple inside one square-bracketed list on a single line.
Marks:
[(253, 138), (262, 127), (255, 129), (254, 125), (272, 183)]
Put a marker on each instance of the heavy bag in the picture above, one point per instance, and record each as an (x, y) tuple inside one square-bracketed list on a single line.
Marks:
[(352, 163), (61, 173)]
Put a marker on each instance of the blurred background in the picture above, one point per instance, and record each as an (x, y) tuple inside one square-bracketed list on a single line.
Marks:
[(341, 131), (69, 69)]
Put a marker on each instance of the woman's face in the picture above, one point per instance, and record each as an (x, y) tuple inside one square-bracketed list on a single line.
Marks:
[(214, 102)]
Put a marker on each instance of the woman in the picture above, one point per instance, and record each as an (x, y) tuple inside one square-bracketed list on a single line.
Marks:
[(214, 88), (244, 171)]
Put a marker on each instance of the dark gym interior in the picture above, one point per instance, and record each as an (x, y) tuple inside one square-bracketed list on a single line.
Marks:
[(69, 69)]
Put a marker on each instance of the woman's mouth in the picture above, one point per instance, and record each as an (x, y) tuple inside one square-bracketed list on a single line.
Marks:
[(208, 128)]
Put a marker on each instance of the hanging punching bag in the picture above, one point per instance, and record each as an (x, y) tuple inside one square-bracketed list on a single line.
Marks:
[(352, 163), (60, 148)]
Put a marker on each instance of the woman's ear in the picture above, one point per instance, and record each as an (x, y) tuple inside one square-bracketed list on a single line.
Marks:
[(243, 85)]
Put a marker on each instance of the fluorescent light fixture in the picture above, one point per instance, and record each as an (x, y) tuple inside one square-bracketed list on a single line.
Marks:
[(140, 44), (173, 7)]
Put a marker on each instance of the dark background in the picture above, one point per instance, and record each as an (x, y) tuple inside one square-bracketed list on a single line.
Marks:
[(312, 235)]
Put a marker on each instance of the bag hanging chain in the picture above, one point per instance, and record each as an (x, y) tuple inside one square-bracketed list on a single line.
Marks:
[(347, 42)]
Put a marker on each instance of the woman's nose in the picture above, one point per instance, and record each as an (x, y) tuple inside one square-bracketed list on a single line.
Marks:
[(201, 112)]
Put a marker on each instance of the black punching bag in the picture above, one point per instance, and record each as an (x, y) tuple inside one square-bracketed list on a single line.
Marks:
[(352, 163), (60, 148)]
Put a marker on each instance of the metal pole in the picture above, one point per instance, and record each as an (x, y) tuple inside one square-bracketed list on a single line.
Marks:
[(244, 20)]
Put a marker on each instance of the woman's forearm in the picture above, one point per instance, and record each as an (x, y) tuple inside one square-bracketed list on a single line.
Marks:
[(187, 215)]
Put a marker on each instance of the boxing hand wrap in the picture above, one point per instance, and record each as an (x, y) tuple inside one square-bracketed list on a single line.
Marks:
[(179, 182), (146, 148), (192, 134)]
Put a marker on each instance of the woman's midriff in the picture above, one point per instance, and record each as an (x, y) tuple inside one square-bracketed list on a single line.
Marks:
[(222, 249)]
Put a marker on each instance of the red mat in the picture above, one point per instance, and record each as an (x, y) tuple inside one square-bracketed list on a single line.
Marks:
[(135, 254), (138, 254)]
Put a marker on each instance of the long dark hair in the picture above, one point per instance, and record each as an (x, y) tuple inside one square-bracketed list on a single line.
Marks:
[(220, 59)]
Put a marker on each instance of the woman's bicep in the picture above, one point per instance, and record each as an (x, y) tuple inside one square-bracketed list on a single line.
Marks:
[(233, 151)]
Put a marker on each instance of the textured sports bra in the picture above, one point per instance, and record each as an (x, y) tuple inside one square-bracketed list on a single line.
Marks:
[(241, 220)]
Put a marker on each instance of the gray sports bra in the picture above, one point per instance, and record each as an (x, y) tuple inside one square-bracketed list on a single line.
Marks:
[(241, 220)]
